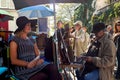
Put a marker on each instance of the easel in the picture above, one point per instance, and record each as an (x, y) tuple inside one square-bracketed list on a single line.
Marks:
[(71, 69)]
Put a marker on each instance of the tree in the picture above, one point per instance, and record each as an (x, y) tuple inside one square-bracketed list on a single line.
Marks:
[(109, 15), (65, 12), (84, 13)]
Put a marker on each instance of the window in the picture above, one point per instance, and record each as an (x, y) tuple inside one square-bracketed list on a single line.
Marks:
[(4, 3)]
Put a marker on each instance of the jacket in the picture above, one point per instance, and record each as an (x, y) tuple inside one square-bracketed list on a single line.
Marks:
[(106, 58)]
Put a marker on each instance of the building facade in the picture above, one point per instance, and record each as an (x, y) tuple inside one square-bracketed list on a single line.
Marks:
[(9, 6)]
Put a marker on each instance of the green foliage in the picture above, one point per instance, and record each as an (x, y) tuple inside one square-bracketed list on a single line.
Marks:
[(79, 12), (107, 16), (84, 13), (117, 9), (65, 12), (110, 14)]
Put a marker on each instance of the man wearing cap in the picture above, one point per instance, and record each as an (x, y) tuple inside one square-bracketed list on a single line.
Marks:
[(105, 58), (79, 38)]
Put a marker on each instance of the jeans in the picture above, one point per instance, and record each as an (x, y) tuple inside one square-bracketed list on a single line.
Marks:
[(94, 75)]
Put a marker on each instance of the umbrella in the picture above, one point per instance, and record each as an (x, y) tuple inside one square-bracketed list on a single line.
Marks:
[(37, 11), (25, 3), (5, 16)]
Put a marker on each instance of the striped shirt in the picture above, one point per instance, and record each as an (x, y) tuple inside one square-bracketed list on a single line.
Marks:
[(26, 52)]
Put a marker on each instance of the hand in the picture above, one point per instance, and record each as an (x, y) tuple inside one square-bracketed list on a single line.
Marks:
[(87, 58), (116, 35), (40, 61), (32, 64), (71, 36)]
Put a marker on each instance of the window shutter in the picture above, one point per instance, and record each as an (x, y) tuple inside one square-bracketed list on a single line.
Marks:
[(4, 3)]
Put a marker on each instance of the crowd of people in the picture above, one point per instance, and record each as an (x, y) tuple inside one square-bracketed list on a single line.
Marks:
[(99, 49)]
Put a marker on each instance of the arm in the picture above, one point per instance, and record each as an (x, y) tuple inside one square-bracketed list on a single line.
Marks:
[(81, 36), (13, 55), (107, 57), (37, 52)]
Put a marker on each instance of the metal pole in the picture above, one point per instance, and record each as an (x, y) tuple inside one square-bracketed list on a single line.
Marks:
[(56, 55), (37, 25)]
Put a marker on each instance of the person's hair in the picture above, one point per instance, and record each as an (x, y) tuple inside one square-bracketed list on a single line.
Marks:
[(18, 34), (59, 22), (115, 26), (66, 27)]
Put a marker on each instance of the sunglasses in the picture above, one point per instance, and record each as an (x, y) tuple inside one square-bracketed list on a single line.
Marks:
[(118, 24)]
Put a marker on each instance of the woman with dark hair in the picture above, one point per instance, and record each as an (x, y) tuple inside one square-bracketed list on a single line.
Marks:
[(116, 38), (25, 56)]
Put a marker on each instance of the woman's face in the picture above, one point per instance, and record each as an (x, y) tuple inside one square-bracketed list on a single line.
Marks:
[(27, 28), (118, 27)]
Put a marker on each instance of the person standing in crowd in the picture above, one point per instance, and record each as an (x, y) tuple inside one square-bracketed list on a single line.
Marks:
[(67, 41), (87, 39), (62, 47), (60, 30), (110, 29), (71, 30), (79, 38), (101, 56), (25, 56), (116, 38)]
